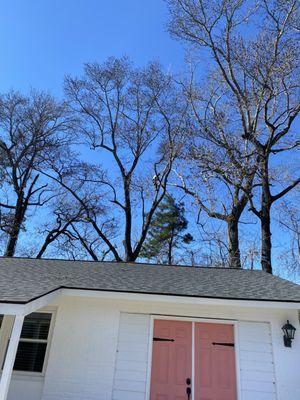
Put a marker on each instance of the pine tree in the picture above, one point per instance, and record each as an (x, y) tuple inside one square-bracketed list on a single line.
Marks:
[(165, 234)]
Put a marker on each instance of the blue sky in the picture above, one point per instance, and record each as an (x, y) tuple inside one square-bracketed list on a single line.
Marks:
[(42, 40)]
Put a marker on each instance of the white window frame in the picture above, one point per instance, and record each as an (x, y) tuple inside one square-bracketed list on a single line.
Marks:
[(7, 327)]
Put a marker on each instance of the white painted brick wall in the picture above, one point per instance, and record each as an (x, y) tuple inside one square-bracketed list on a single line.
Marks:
[(26, 388), (81, 361), (84, 363)]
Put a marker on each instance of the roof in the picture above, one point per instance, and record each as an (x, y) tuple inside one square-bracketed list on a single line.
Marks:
[(23, 280)]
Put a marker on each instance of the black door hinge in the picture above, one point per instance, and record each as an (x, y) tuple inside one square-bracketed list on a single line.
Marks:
[(158, 339), (223, 344)]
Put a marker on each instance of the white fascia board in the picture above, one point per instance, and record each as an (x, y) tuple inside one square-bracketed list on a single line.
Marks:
[(25, 309), (43, 301), (11, 309), (179, 299)]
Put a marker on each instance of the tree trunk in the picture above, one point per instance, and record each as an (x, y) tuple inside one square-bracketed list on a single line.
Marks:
[(12, 243), (49, 239), (266, 243), (170, 251), (265, 218), (233, 242), (129, 256), (42, 250), (15, 232)]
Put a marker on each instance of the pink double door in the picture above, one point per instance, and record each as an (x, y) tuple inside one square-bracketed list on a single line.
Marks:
[(173, 355)]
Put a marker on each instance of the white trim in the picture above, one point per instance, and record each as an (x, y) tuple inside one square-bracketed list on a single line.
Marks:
[(11, 309), (237, 361), (43, 301), (178, 299), (7, 325), (194, 320), (10, 357), (5, 332), (116, 350), (272, 328), (193, 360), (24, 309), (27, 377), (48, 342), (28, 308), (150, 348)]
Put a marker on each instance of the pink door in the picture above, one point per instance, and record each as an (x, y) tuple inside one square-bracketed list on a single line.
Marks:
[(215, 375), (171, 360)]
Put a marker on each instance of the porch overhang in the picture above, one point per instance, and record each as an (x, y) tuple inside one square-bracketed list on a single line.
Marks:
[(25, 308), (18, 311)]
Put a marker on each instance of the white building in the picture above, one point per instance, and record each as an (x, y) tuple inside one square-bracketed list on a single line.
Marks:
[(115, 331)]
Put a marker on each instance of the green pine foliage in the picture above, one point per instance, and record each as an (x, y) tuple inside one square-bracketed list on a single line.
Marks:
[(166, 232)]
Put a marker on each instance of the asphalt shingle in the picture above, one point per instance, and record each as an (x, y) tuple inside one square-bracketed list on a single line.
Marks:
[(23, 279)]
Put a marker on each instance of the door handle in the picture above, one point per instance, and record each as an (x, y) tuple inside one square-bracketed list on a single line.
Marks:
[(188, 392)]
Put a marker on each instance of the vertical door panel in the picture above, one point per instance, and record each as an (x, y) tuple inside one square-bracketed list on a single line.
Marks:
[(215, 371), (171, 360)]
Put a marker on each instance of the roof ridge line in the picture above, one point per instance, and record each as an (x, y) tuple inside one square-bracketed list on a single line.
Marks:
[(130, 263)]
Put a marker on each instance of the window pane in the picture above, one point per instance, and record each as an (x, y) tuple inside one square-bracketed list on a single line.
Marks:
[(1, 319), (36, 326), (30, 357)]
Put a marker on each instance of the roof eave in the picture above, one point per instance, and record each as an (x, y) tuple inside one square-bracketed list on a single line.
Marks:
[(26, 307)]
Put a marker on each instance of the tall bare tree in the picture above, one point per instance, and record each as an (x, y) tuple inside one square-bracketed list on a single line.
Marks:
[(216, 161), (133, 119), (253, 47), (31, 127)]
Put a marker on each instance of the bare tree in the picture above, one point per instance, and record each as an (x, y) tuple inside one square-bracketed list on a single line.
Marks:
[(214, 250), (253, 47), (216, 161), (73, 237), (30, 128), (81, 221), (289, 221), (66, 215), (134, 118)]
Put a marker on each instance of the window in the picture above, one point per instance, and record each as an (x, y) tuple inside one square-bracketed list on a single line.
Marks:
[(1, 318), (33, 342)]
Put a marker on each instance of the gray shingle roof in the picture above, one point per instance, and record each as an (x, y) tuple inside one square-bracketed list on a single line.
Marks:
[(22, 280)]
